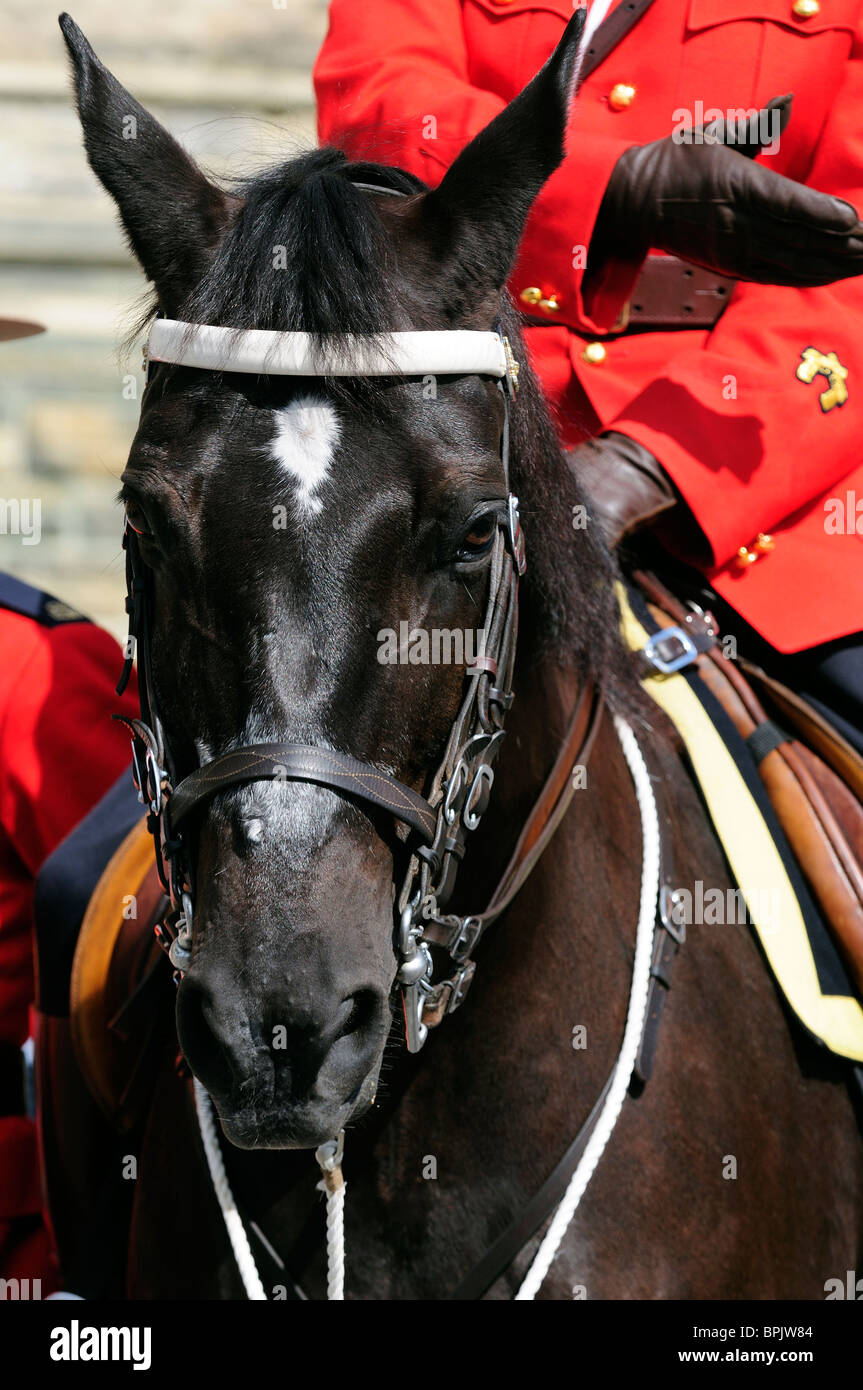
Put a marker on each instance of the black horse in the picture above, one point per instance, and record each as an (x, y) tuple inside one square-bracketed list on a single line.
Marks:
[(285, 523)]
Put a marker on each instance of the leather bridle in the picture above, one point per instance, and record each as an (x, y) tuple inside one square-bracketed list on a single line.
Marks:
[(438, 824)]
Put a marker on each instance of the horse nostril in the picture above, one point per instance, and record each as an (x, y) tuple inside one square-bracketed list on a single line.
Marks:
[(200, 1038), (361, 1013), (351, 1049)]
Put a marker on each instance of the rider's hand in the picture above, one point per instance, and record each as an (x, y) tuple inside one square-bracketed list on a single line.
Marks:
[(710, 204), (625, 485)]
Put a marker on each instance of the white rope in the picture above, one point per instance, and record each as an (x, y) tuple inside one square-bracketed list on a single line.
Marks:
[(332, 1183), (329, 1156), (335, 1237), (233, 1222), (634, 1019)]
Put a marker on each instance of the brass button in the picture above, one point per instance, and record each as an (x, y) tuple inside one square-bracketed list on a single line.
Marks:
[(622, 94), (748, 554), (806, 9), (543, 296), (594, 353)]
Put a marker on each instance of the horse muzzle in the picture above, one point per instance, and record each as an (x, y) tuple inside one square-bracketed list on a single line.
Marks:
[(291, 1075)]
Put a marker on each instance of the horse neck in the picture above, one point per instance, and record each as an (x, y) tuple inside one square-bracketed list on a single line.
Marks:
[(510, 1064)]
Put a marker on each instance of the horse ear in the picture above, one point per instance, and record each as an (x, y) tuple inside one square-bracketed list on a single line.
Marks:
[(173, 216), (477, 213)]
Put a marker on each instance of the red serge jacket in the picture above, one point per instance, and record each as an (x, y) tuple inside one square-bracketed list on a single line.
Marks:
[(751, 446), (59, 753)]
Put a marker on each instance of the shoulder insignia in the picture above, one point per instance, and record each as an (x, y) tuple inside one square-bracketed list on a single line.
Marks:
[(824, 364)]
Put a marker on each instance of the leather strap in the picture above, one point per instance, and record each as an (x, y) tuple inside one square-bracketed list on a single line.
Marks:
[(302, 762), (516, 1236), (668, 294), (668, 937), (666, 943), (265, 352), (499, 1257), (548, 811), (553, 800), (610, 32)]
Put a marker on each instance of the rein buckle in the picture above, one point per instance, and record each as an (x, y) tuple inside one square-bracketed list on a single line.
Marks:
[(465, 938), (670, 650)]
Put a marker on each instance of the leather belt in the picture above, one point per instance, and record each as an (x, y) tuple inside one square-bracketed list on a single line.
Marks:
[(11, 1080), (671, 293)]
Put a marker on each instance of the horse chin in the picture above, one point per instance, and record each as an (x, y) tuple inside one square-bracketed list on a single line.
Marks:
[(263, 1125)]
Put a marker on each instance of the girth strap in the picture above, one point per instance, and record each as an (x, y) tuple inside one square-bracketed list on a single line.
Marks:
[(285, 762)]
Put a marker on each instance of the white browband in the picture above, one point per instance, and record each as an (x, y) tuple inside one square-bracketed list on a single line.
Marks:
[(266, 353)]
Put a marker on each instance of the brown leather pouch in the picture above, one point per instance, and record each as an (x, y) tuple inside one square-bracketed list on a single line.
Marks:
[(813, 777), (671, 293)]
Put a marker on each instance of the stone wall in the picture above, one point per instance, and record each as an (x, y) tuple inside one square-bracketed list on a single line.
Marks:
[(231, 79)]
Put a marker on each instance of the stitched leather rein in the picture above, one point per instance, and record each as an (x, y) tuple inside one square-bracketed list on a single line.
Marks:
[(440, 823)]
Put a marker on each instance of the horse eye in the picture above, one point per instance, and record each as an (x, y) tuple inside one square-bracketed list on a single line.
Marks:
[(136, 519), (479, 538)]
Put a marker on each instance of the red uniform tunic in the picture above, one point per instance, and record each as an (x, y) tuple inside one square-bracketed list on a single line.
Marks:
[(752, 447), (59, 753)]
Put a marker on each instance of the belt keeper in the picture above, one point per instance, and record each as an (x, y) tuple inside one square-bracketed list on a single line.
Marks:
[(481, 664), (430, 856), (504, 698)]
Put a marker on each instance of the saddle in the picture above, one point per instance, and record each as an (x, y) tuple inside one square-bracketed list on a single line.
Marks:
[(121, 999), (807, 777)]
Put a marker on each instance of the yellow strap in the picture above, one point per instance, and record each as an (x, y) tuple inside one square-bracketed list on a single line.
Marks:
[(757, 864)]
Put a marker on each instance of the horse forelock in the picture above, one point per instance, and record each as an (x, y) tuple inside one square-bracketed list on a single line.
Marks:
[(307, 251)]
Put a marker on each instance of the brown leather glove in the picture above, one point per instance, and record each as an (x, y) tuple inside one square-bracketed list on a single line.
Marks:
[(626, 487), (709, 204)]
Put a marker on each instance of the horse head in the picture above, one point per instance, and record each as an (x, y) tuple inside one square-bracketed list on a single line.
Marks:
[(289, 525)]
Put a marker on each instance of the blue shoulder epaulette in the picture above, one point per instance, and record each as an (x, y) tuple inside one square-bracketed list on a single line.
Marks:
[(18, 597)]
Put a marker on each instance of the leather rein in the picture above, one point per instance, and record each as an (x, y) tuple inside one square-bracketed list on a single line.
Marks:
[(438, 825)]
